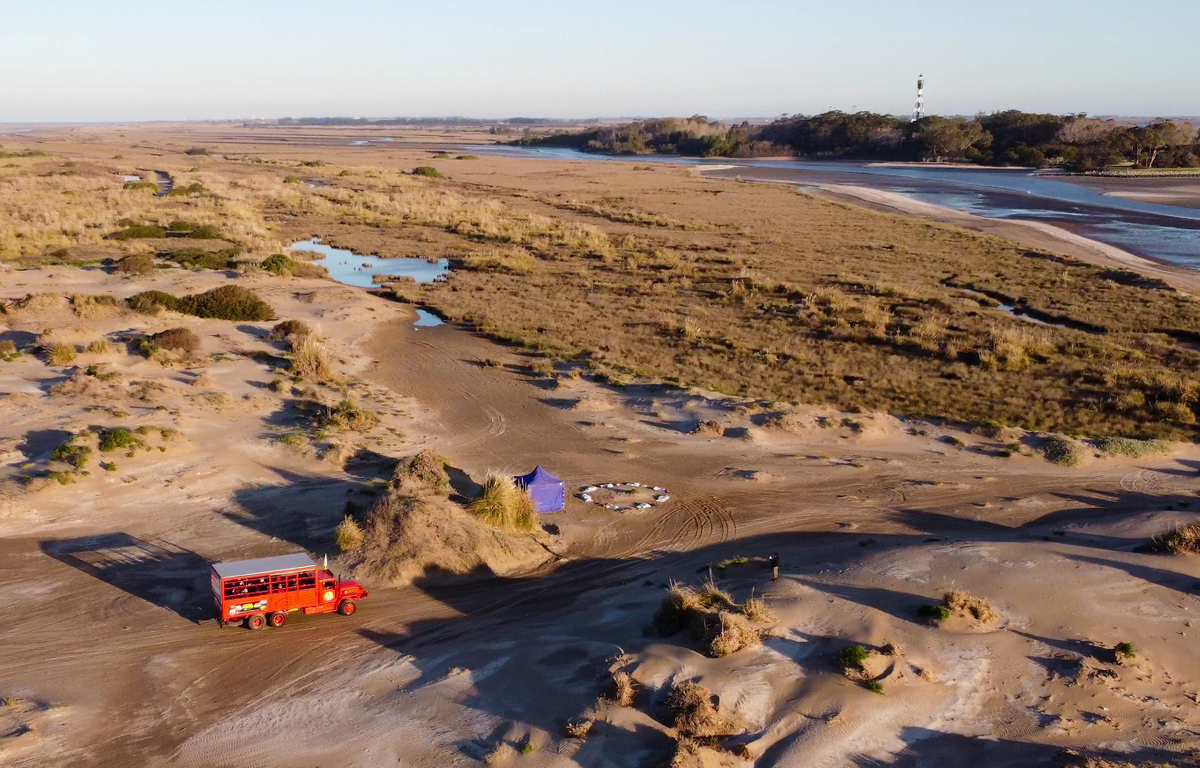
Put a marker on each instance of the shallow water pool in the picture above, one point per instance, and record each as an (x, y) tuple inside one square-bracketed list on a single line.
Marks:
[(351, 268)]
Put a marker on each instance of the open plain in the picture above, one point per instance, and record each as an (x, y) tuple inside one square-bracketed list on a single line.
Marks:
[(964, 444)]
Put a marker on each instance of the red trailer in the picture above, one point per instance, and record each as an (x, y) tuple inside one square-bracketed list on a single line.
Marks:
[(264, 591)]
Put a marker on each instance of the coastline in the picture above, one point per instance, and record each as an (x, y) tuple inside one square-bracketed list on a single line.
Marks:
[(1033, 234)]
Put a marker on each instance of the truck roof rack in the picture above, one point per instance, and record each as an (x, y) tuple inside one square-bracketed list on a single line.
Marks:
[(263, 565)]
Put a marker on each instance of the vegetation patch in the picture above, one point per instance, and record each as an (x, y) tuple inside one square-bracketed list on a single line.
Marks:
[(428, 171), (712, 617), (502, 504), (136, 264), (119, 439), (1181, 540), (1134, 448), (71, 452), (278, 264), (228, 302), (693, 712), (1063, 450)]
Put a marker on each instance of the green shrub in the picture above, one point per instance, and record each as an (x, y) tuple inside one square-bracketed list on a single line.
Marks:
[(441, 156), (428, 171), (110, 466), (874, 686), (466, 157), (290, 330), (229, 302), (205, 232), (136, 264), (1063, 450), (1125, 651), (8, 351), (72, 453), (190, 190), (278, 264), (119, 439), (62, 478), (936, 612), (181, 226), (176, 339), (853, 656), (149, 302), (198, 258), (139, 231), (1133, 448)]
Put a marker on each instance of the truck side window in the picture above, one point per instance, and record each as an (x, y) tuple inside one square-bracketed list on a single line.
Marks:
[(327, 584)]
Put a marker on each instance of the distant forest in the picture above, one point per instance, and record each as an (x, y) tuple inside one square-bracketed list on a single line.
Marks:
[(423, 121), (1074, 142)]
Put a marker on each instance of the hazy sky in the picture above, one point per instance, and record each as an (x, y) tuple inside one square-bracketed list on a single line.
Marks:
[(113, 60)]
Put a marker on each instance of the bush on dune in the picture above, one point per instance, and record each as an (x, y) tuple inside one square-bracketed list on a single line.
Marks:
[(503, 505), (229, 302)]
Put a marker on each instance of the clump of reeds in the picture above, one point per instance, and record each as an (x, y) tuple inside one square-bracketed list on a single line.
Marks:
[(503, 505), (963, 602), (1181, 540)]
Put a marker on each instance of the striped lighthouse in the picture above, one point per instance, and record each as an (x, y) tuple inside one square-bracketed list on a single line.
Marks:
[(919, 108)]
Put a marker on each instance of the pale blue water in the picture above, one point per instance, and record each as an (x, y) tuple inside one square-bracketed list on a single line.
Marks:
[(427, 319), (351, 268)]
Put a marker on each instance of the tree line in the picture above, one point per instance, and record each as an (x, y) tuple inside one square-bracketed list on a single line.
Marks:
[(1011, 137)]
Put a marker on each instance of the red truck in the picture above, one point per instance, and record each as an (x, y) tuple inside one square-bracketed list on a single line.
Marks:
[(264, 591)]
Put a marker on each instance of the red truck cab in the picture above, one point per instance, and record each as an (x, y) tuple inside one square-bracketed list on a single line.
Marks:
[(265, 590)]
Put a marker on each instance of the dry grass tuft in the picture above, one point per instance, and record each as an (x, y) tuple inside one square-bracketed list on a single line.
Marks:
[(578, 728), (964, 603), (310, 359), (503, 505), (708, 429), (693, 711), (624, 689), (755, 609), (1182, 540), (349, 535), (711, 616), (61, 354), (735, 633), (501, 755)]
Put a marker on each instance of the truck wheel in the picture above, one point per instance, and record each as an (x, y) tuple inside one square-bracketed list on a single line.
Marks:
[(277, 619), (347, 608), (256, 621)]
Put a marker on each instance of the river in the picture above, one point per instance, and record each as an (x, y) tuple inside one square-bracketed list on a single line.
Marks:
[(1167, 233)]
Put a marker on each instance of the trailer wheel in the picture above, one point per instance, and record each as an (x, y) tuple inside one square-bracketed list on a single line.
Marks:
[(347, 608), (277, 619), (256, 621)]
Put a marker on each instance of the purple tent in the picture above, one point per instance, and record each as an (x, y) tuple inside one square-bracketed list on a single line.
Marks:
[(548, 492)]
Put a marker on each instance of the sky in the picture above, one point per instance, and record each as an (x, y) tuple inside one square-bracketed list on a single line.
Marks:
[(130, 60)]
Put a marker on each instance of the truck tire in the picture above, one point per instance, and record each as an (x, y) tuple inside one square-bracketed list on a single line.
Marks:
[(256, 621), (347, 608), (277, 619)]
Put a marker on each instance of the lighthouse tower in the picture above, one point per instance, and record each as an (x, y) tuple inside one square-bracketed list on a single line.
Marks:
[(919, 109)]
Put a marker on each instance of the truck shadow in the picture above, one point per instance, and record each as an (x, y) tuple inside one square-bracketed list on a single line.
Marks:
[(160, 573)]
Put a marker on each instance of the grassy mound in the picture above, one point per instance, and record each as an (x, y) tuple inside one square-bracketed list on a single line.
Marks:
[(428, 171), (503, 505), (416, 530), (136, 264), (712, 617), (959, 603), (176, 339)]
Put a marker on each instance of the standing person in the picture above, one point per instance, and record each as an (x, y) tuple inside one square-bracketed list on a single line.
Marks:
[(775, 567)]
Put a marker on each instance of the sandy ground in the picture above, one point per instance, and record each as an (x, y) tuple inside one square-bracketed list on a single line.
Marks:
[(112, 656)]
